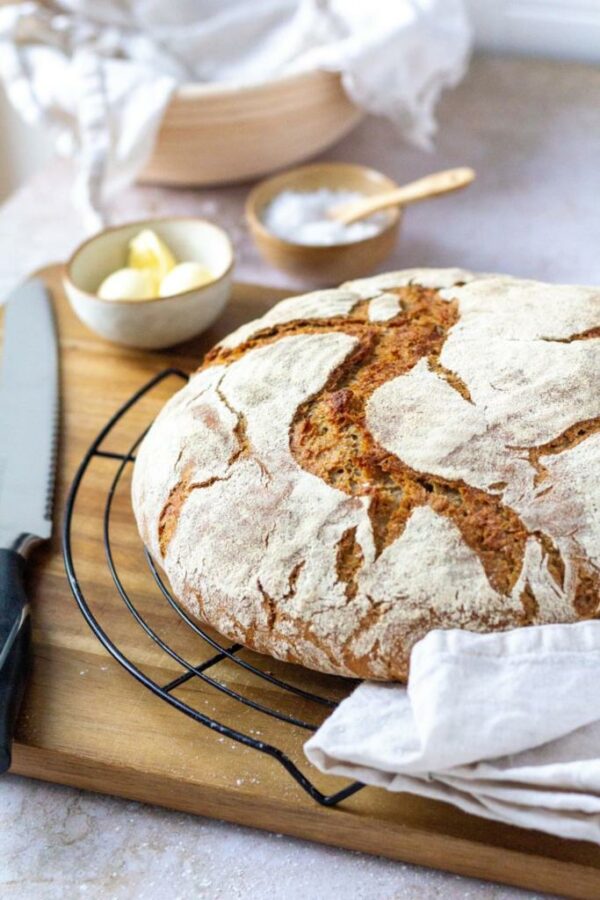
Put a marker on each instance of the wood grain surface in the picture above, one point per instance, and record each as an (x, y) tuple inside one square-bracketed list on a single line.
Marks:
[(86, 722)]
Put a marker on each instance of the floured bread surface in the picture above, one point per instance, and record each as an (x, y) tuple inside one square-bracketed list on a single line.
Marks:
[(413, 451)]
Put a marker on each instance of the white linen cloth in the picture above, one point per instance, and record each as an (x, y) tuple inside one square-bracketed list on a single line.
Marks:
[(100, 73), (504, 726)]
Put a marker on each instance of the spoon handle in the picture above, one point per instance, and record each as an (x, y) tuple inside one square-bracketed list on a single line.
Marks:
[(430, 186)]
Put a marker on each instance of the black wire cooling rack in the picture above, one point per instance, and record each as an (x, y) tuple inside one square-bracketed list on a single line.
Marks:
[(189, 670)]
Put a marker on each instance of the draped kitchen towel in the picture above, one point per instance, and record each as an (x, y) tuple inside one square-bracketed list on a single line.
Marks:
[(101, 74), (505, 726)]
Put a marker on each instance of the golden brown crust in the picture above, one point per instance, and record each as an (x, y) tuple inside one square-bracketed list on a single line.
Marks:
[(329, 438)]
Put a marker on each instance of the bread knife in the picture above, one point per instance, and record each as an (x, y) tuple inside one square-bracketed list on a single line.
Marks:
[(29, 407)]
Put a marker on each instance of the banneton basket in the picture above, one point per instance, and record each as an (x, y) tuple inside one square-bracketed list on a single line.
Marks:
[(218, 133)]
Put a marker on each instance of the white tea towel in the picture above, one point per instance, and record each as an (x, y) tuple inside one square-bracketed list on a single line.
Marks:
[(102, 74), (505, 726)]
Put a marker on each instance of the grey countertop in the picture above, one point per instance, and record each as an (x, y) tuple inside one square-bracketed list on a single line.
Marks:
[(531, 129)]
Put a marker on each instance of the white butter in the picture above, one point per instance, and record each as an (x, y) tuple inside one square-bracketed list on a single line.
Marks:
[(185, 277), (148, 251), (128, 284), (152, 271)]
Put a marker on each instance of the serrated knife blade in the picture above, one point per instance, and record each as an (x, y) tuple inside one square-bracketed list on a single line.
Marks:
[(29, 408), (28, 415)]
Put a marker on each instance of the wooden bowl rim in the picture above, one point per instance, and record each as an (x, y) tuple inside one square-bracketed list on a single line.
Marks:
[(193, 91), (257, 227)]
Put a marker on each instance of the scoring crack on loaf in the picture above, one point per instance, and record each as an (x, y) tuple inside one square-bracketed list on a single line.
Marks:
[(358, 466)]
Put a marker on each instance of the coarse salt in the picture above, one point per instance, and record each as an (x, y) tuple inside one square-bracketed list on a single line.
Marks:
[(302, 217)]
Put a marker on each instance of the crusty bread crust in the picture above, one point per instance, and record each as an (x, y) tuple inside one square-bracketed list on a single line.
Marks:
[(411, 451)]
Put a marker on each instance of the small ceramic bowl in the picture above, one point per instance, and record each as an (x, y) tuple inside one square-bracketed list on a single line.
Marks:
[(336, 262), (162, 321)]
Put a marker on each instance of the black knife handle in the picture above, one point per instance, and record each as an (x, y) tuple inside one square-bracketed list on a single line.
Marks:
[(15, 640)]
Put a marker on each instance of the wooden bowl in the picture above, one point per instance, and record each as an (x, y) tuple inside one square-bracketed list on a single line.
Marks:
[(161, 321), (217, 134), (330, 263)]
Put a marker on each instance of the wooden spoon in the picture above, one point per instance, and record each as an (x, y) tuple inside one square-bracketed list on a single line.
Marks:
[(430, 186)]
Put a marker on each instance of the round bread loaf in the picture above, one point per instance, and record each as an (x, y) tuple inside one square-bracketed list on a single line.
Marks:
[(412, 451)]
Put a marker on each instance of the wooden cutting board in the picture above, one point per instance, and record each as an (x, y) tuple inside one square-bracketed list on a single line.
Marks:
[(88, 723)]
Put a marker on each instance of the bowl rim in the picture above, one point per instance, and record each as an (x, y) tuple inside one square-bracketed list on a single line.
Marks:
[(141, 223), (256, 224), (197, 90)]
